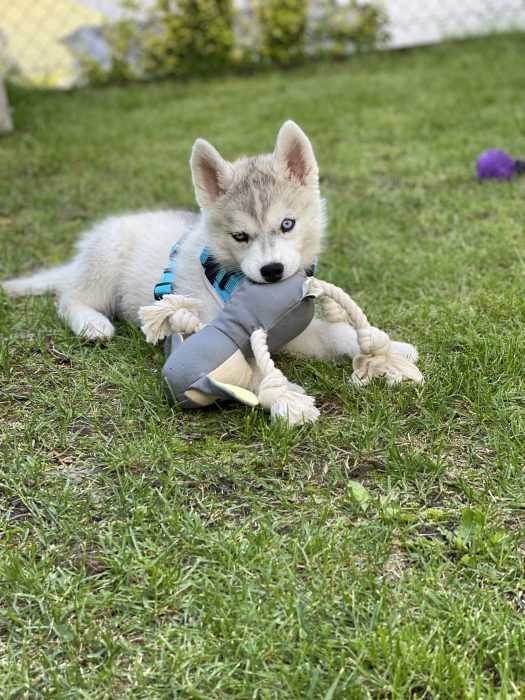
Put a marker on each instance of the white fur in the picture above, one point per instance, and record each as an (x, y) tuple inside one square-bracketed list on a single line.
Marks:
[(119, 260)]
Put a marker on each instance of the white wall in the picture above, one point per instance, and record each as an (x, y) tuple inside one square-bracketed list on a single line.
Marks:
[(424, 21), (411, 21)]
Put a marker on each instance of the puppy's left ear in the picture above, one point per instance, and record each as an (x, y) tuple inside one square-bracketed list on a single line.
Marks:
[(294, 155)]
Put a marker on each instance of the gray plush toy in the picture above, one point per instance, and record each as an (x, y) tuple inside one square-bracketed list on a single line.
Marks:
[(230, 357), (213, 363)]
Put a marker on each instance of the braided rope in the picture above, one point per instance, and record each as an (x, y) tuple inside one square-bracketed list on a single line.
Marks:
[(331, 311), (334, 298), (173, 313), (274, 393), (377, 358), (273, 383)]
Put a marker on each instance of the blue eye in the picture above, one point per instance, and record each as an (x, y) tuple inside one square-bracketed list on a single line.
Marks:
[(287, 225)]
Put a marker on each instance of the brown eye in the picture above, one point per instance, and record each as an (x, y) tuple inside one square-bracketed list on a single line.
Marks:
[(287, 225), (241, 237)]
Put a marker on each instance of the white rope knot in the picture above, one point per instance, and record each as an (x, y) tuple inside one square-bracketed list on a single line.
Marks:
[(271, 389), (174, 313), (393, 366), (274, 393), (376, 357), (373, 341)]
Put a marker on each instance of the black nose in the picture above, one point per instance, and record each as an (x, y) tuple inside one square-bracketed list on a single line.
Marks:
[(272, 272)]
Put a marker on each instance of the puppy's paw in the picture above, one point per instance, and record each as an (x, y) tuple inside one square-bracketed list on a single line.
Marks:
[(97, 329), (406, 350)]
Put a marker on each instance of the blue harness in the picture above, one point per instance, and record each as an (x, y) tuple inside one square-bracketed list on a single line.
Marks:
[(224, 283)]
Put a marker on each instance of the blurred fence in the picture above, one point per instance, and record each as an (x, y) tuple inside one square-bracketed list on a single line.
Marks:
[(41, 40)]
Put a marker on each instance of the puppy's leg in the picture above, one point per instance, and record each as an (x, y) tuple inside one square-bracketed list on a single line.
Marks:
[(84, 320), (324, 341), (330, 341)]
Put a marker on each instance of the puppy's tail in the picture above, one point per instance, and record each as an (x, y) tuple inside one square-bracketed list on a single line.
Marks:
[(39, 283)]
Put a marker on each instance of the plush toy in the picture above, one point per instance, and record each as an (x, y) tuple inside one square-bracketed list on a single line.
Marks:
[(498, 164), (230, 357)]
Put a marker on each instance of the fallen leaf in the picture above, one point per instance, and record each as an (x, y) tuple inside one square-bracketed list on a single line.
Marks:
[(359, 494)]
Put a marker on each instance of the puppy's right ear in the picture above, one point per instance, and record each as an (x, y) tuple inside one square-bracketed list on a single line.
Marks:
[(212, 175)]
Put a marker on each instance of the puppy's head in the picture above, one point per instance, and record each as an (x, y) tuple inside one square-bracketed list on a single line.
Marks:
[(264, 214)]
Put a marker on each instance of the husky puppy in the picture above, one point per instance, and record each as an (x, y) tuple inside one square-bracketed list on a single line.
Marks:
[(263, 216)]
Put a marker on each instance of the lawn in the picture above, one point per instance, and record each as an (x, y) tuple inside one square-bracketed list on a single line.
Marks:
[(149, 553)]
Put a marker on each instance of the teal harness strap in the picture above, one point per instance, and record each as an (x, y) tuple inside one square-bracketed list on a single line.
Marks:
[(165, 286), (224, 283)]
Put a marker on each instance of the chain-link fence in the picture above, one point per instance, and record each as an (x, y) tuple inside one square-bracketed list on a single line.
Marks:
[(43, 42)]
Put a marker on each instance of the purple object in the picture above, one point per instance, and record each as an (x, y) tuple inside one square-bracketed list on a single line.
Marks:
[(498, 164)]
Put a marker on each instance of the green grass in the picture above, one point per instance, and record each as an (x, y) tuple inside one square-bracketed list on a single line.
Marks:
[(149, 553)]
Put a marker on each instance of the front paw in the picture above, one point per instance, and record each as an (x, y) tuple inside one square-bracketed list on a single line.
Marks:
[(406, 350)]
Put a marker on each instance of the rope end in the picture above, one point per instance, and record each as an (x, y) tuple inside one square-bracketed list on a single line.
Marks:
[(394, 367), (171, 314)]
